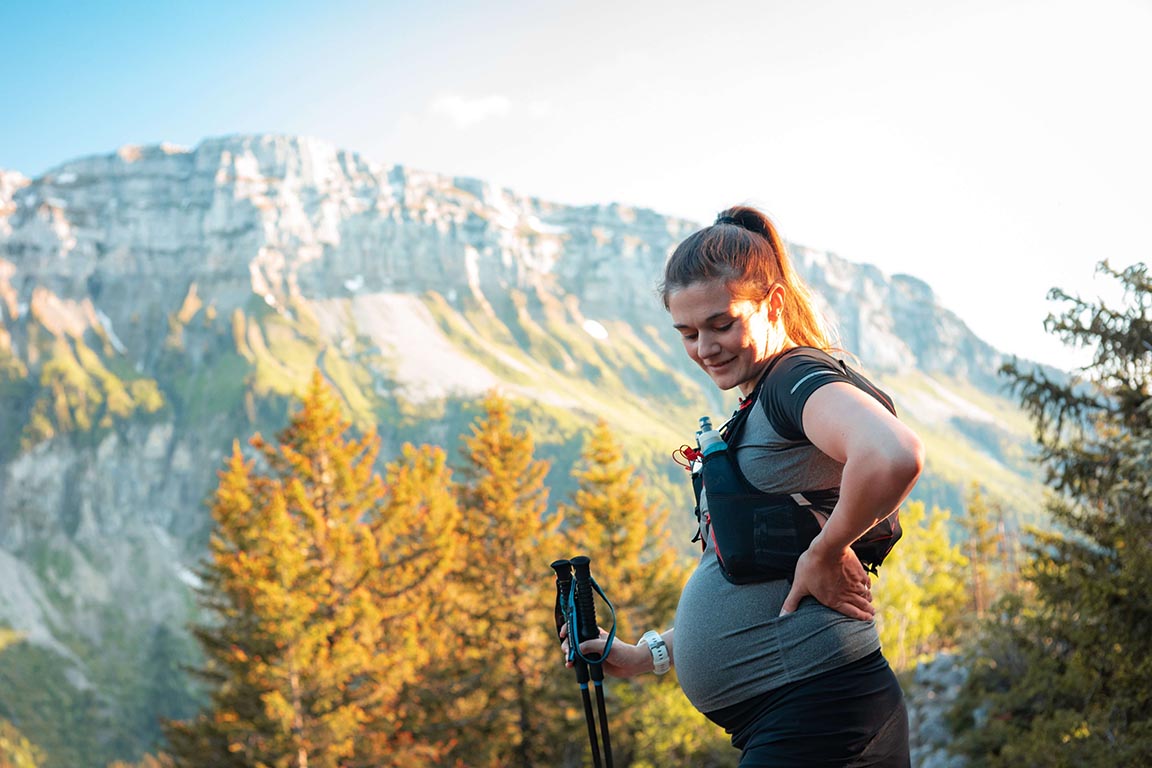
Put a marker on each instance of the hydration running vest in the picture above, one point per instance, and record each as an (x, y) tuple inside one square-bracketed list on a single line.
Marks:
[(759, 536)]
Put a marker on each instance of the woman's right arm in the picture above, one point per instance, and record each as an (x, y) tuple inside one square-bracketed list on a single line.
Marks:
[(624, 660)]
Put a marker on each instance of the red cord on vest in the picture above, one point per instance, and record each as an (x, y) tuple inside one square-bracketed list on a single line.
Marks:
[(685, 455)]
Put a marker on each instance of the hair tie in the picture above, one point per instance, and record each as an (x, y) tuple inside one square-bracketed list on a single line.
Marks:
[(726, 220)]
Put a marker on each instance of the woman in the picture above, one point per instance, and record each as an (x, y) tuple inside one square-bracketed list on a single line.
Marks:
[(792, 671)]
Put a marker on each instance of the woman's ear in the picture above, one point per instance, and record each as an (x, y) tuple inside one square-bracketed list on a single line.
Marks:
[(775, 300)]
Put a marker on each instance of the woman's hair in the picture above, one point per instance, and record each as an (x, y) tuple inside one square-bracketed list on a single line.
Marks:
[(744, 250)]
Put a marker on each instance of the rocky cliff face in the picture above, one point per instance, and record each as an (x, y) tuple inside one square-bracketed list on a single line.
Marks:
[(280, 216), (283, 216), (159, 302)]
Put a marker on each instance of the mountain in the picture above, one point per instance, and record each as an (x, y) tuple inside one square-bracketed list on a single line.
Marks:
[(159, 303)]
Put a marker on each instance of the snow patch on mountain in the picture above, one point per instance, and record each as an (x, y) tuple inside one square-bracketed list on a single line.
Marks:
[(427, 364), (941, 404)]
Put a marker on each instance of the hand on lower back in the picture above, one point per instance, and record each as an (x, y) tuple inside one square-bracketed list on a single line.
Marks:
[(836, 579)]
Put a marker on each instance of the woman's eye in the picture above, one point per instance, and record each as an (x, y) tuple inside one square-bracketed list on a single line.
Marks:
[(725, 327), (688, 336)]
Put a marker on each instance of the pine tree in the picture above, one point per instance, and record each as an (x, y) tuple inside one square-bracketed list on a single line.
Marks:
[(423, 555), (985, 540), (920, 591), (1062, 679), (500, 675), (627, 537), (636, 565), (15, 750), (305, 649)]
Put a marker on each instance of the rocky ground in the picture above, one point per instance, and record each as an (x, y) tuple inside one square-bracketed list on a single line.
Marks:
[(930, 696)]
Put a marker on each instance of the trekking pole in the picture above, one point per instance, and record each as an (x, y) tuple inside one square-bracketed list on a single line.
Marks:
[(588, 629), (565, 616)]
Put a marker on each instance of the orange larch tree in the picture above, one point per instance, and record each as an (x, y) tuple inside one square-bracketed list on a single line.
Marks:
[(309, 632)]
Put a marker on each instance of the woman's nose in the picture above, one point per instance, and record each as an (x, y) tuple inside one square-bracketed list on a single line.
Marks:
[(706, 346)]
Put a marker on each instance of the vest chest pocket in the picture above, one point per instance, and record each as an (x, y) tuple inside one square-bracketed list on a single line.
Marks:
[(758, 537)]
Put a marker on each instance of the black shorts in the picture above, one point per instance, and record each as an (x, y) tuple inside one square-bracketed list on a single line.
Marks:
[(849, 717)]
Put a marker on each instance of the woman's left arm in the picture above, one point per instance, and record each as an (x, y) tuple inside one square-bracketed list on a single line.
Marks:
[(882, 459)]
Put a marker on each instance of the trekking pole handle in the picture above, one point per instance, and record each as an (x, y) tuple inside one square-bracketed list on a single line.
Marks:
[(563, 569), (586, 627)]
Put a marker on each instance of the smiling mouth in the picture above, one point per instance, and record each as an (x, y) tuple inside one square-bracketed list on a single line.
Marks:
[(718, 366)]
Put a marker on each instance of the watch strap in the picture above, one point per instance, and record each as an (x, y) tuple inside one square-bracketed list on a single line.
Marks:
[(661, 662)]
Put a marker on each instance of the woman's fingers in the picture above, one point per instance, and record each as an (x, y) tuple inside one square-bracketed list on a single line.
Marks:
[(587, 648), (593, 647), (564, 631), (792, 601), (839, 582), (861, 605), (855, 605)]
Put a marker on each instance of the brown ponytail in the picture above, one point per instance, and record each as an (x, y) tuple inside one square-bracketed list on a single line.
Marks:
[(744, 250)]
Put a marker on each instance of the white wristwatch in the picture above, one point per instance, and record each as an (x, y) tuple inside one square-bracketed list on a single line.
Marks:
[(661, 663)]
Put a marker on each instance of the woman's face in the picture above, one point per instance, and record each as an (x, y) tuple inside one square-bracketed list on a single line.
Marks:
[(731, 339)]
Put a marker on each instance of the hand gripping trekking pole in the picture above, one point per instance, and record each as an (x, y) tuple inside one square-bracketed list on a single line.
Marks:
[(584, 591), (567, 617)]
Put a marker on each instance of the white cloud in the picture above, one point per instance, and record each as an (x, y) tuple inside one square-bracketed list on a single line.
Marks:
[(466, 112)]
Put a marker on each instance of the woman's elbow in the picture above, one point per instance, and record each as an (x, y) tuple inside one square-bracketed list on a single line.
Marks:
[(897, 461), (907, 461)]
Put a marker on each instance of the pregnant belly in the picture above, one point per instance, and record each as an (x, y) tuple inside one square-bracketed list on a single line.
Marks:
[(732, 644)]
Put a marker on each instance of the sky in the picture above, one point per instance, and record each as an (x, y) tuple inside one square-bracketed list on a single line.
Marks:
[(993, 148)]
